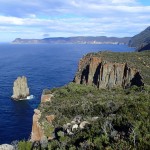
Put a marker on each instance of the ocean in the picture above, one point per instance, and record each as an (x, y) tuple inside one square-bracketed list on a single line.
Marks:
[(45, 66)]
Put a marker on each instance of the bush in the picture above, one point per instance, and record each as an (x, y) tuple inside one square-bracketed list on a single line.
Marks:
[(24, 145)]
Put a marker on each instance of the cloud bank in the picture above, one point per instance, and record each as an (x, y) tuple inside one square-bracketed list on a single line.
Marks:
[(37, 19)]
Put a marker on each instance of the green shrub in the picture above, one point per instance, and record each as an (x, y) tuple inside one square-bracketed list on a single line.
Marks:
[(24, 145)]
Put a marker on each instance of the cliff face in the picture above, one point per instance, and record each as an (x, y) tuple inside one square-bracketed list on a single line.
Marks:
[(20, 88), (37, 133), (96, 71)]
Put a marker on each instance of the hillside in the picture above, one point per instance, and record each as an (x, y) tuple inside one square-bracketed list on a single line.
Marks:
[(141, 39), (81, 116), (143, 48), (75, 40)]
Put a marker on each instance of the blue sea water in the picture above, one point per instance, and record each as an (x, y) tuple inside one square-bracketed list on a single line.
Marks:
[(45, 66)]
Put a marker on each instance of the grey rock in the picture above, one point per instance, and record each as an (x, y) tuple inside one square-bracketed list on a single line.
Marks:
[(114, 134), (6, 147), (83, 124), (94, 118), (74, 127), (77, 119)]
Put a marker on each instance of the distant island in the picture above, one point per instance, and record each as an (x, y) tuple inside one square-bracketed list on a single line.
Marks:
[(75, 40)]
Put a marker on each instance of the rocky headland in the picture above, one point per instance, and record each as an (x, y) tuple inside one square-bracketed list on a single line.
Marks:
[(141, 41), (20, 89), (105, 104), (74, 40)]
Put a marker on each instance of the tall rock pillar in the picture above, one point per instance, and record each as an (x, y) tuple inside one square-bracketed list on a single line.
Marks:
[(20, 89)]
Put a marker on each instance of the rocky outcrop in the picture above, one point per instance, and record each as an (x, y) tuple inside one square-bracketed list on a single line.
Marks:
[(96, 71), (37, 132), (20, 88), (46, 98)]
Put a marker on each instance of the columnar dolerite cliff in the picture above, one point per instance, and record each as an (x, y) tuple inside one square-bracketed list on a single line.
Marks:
[(20, 88), (96, 71)]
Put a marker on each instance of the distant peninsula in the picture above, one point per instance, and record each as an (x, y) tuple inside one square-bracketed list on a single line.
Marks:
[(141, 41), (75, 40)]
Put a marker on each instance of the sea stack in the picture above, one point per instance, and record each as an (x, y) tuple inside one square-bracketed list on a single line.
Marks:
[(20, 89)]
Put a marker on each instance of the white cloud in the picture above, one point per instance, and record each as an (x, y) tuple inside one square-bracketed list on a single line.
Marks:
[(73, 17)]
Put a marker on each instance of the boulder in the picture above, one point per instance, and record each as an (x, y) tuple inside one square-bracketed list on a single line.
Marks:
[(20, 89), (77, 119), (6, 147), (83, 124)]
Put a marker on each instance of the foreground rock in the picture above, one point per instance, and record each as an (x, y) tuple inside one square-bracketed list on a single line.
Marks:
[(20, 89), (6, 147), (37, 133), (96, 71)]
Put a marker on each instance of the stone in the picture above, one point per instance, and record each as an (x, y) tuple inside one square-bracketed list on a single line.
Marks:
[(77, 119), (114, 135), (95, 71), (83, 124), (20, 89), (74, 127), (94, 118), (44, 142), (6, 147)]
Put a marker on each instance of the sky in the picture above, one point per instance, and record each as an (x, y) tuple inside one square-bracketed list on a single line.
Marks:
[(37, 19)]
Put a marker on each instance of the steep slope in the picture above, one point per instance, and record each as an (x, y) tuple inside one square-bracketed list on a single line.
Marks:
[(143, 48), (103, 74), (80, 116), (141, 39), (84, 117)]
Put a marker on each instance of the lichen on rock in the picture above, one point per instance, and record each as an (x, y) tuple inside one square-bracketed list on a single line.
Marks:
[(20, 89)]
